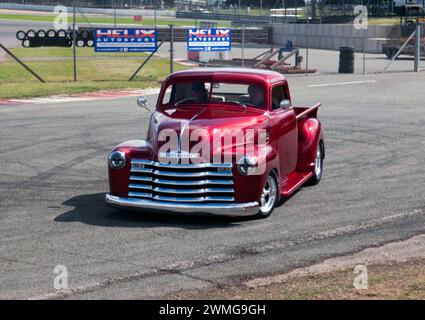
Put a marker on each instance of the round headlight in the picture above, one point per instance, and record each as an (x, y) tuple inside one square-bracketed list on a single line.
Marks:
[(247, 165), (116, 160)]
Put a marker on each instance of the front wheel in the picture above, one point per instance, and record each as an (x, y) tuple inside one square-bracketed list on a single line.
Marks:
[(318, 166), (269, 197)]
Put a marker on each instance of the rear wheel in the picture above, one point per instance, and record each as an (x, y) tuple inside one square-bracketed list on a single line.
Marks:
[(269, 197), (318, 166)]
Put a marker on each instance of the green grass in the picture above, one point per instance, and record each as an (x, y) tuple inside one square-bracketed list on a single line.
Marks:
[(108, 73), (107, 20), (384, 21), (55, 52)]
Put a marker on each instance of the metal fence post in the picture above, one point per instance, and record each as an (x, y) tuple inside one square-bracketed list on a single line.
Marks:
[(308, 42), (364, 50), (171, 48), (243, 46), (417, 46), (115, 14), (22, 64), (74, 40)]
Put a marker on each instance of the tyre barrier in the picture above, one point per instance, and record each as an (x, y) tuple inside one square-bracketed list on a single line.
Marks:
[(346, 60), (21, 35), (53, 38)]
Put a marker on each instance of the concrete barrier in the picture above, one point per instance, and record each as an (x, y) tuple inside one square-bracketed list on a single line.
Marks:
[(331, 36)]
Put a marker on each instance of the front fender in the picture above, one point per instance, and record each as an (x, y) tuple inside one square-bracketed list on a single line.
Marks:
[(119, 179), (248, 188)]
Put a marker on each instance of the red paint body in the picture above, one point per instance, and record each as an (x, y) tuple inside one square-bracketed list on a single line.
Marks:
[(294, 133)]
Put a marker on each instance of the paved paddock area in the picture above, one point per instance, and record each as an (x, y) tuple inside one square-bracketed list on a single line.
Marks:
[(53, 178)]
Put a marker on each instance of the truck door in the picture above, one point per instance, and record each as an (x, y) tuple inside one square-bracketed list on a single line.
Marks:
[(284, 133)]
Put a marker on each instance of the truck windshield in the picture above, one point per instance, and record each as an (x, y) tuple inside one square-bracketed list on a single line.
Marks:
[(189, 93)]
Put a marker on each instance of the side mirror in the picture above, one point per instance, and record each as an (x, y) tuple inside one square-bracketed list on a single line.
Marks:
[(285, 104), (143, 103)]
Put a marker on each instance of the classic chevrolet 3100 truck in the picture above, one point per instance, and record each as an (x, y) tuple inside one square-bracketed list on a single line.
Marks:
[(221, 141)]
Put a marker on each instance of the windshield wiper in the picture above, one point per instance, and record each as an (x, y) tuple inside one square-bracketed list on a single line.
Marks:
[(238, 103), (183, 101)]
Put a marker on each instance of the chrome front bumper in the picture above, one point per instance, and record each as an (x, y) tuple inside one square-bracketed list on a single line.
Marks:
[(220, 209)]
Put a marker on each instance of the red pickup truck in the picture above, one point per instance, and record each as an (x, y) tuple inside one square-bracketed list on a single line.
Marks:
[(221, 141)]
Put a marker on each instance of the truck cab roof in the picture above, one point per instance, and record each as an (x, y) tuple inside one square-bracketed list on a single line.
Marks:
[(243, 74)]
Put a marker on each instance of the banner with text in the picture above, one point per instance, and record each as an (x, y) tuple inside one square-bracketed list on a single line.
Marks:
[(126, 40), (209, 40)]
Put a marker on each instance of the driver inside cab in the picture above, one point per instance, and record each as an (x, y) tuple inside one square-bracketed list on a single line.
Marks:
[(199, 92), (256, 95)]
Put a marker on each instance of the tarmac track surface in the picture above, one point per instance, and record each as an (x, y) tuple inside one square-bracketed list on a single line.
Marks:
[(53, 177)]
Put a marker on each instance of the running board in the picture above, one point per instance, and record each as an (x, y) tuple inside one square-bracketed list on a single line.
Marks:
[(295, 180)]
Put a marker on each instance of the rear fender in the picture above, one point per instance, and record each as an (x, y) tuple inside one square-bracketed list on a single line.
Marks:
[(309, 134)]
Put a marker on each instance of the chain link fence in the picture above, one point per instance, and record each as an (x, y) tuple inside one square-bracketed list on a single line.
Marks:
[(43, 49)]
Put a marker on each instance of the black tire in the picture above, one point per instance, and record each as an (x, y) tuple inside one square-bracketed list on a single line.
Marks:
[(317, 174), (41, 34), (26, 43), (273, 198), (85, 33), (70, 34), (31, 34), (21, 35), (51, 33), (346, 70), (89, 43), (80, 43), (34, 42), (61, 33)]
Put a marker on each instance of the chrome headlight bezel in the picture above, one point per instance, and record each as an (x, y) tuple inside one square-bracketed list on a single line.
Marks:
[(117, 160), (248, 169)]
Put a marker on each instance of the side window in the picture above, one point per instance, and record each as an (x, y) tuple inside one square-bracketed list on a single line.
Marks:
[(278, 94)]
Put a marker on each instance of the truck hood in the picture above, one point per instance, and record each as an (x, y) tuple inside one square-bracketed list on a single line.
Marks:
[(186, 119)]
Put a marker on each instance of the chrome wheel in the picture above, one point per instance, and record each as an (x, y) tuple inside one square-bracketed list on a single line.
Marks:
[(319, 162), (268, 196)]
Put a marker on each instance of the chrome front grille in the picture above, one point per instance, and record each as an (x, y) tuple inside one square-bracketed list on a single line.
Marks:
[(206, 182)]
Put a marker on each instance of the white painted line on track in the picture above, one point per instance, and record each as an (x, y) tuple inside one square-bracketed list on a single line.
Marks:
[(340, 83), (90, 96)]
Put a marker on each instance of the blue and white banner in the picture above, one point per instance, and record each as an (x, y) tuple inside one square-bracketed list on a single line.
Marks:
[(126, 40), (209, 40)]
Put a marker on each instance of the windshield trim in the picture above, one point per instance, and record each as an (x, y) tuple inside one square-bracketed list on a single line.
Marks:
[(211, 83)]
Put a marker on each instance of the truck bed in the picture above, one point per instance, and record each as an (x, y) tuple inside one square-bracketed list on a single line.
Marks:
[(307, 112)]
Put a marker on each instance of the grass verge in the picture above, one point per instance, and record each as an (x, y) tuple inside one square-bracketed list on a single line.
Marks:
[(108, 73), (393, 281)]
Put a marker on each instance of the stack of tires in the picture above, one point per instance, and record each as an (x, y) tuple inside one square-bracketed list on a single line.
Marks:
[(346, 60), (53, 38), (84, 38)]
